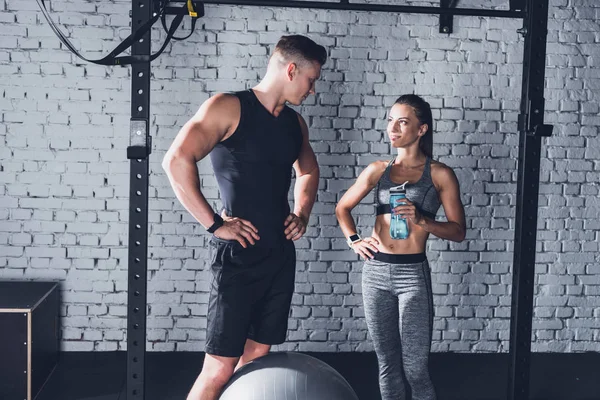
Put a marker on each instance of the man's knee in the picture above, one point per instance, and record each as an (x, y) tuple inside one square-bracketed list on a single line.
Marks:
[(217, 371), (216, 379), (254, 349)]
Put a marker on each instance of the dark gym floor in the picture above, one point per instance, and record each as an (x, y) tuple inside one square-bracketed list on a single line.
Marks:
[(457, 376)]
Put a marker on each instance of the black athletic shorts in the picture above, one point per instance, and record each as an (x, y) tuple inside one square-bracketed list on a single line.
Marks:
[(250, 295)]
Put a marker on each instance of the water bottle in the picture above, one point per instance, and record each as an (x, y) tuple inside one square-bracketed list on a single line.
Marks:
[(398, 224)]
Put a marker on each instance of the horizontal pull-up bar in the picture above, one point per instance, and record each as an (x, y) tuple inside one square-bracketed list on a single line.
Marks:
[(476, 12)]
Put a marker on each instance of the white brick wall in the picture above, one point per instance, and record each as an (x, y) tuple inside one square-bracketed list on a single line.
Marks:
[(64, 173)]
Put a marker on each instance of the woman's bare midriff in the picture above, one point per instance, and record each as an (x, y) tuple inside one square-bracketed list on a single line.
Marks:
[(414, 244)]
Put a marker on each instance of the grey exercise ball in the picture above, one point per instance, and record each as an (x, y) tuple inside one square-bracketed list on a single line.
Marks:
[(287, 376)]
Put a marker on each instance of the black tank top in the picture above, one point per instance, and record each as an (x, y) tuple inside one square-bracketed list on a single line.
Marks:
[(253, 167)]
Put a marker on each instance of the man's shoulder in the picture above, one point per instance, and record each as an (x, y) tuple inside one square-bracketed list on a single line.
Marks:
[(226, 97), (223, 103)]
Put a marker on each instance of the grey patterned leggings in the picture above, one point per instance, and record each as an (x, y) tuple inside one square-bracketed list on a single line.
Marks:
[(399, 313)]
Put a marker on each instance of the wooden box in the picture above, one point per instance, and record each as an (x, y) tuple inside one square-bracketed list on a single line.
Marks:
[(29, 343)]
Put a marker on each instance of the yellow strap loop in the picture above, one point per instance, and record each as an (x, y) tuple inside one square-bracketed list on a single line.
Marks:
[(191, 11)]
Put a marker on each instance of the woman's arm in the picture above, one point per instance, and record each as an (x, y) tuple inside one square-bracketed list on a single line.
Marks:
[(449, 192), (363, 185)]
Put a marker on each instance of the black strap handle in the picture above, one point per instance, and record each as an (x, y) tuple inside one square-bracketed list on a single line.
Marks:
[(112, 58)]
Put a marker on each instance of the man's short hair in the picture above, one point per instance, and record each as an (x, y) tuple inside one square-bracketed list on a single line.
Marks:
[(300, 48)]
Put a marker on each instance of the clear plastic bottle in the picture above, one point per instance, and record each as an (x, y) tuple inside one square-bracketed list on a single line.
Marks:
[(398, 224)]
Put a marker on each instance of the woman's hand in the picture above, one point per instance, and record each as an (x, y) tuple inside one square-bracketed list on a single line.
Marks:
[(407, 209), (366, 247)]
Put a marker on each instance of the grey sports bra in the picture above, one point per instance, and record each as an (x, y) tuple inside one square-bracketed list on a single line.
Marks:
[(422, 193)]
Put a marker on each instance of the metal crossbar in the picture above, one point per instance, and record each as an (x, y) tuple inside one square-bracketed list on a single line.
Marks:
[(476, 12)]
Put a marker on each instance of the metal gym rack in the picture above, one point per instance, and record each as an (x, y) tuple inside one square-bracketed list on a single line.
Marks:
[(534, 14)]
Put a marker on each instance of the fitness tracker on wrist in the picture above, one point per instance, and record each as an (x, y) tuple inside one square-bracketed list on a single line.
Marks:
[(353, 239), (216, 225)]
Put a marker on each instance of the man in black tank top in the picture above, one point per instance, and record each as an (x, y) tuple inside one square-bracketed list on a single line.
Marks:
[(254, 140)]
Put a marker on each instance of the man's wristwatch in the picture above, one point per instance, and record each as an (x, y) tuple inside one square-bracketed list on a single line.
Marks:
[(353, 239), (216, 225)]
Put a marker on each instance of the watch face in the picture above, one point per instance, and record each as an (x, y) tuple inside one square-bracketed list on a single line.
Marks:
[(354, 238)]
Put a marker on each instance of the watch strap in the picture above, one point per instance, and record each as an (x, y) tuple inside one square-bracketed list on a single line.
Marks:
[(216, 225)]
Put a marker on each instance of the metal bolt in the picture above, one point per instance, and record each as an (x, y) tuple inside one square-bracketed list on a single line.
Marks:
[(138, 133)]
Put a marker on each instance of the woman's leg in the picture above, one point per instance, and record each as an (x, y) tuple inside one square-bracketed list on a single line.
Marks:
[(415, 307), (381, 314)]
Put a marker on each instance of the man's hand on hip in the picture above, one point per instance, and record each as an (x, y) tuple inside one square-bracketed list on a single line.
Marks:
[(295, 227), (238, 229)]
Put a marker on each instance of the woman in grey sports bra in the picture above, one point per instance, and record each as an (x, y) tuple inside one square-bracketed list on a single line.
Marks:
[(396, 280)]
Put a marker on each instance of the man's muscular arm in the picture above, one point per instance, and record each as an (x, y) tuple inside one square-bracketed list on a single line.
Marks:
[(216, 120), (305, 189)]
